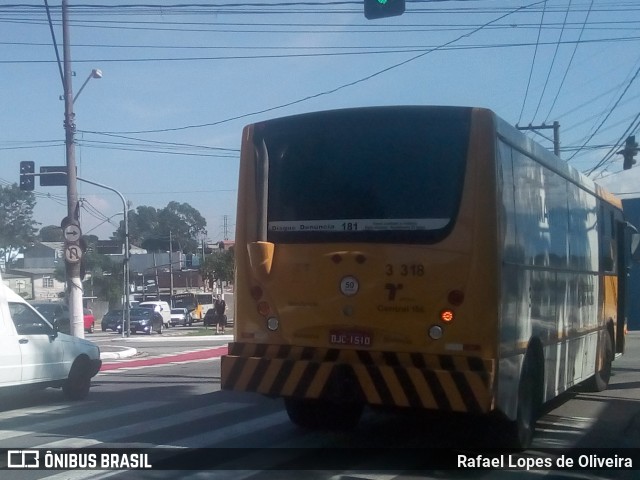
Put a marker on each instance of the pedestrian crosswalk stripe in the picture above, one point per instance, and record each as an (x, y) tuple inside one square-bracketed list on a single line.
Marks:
[(30, 411), (48, 425), (118, 433)]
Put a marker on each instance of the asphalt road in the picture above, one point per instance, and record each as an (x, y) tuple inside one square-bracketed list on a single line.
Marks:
[(167, 397)]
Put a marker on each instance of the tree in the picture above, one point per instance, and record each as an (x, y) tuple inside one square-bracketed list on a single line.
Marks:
[(18, 227), (51, 233), (104, 277), (178, 226), (185, 224), (219, 266)]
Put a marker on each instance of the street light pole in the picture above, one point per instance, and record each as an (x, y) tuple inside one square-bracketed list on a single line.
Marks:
[(74, 282), (127, 253), (95, 73)]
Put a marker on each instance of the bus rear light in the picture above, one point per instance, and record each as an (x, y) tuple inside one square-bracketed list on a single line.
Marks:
[(273, 323), (264, 309), (447, 315), (256, 293), (456, 297), (336, 258), (436, 332)]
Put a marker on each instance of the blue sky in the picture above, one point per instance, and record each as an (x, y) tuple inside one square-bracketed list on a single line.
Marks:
[(179, 83)]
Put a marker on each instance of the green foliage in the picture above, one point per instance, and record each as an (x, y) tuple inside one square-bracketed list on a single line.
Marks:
[(151, 228), (105, 278), (51, 233), (219, 266), (18, 227)]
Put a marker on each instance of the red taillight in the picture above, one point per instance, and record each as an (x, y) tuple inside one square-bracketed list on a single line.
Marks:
[(446, 316), (264, 309)]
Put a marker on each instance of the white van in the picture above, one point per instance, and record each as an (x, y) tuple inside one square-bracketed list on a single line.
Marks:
[(34, 354), (162, 307)]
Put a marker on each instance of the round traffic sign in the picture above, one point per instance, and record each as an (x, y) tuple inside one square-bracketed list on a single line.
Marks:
[(73, 253), (72, 233)]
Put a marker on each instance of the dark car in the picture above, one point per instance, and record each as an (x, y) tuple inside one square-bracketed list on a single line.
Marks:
[(111, 320), (57, 313), (144, 320), (210, 318), (180, 316)]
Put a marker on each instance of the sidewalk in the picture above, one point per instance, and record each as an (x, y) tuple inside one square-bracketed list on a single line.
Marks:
[(117, 352)]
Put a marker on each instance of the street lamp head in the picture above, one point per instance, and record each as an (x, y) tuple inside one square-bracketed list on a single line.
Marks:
[(95, 73)]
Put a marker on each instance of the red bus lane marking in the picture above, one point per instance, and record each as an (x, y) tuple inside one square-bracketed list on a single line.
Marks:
[(178, 357)]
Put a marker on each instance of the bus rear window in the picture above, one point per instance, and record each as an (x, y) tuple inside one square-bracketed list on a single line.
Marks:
[(387, 174)]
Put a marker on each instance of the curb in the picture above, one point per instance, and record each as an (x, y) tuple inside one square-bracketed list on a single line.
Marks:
[(170, 338), (123, 352)]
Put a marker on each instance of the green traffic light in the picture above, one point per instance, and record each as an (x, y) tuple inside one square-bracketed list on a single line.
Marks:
[(383, 8)]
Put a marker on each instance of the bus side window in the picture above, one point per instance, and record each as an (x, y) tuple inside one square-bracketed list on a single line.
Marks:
[(608, 247), (635, 247)]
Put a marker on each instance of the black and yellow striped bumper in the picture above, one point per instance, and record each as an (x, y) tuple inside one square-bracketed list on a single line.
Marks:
[(441, 382)]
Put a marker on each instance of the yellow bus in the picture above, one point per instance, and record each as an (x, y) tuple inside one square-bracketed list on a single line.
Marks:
[(196, 303), (422, 257)]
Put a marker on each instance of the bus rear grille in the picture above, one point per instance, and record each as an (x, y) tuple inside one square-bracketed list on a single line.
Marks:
[(441, 382)]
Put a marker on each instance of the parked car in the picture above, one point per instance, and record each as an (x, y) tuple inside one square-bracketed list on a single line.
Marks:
[(162, 308), (35, 354), (111, 320), (89, 321), (57, 313), (210, 318), (181, 316), (144, 320)]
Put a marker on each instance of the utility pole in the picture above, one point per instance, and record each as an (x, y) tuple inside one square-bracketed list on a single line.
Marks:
[(556, 134), (170, 270), (72, 222)]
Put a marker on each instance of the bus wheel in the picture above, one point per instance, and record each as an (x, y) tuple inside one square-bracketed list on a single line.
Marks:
[(316, 414), (600, 380), (519, 432)]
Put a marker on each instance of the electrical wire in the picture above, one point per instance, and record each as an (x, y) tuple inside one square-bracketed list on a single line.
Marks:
[(340, 87), (609, 113), (553, 61), (573, 54), (533, 62)]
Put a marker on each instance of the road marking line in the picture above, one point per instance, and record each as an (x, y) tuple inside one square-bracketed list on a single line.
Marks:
[(118, 433)]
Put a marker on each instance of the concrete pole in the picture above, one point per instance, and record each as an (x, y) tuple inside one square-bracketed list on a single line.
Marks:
[(74, 282)]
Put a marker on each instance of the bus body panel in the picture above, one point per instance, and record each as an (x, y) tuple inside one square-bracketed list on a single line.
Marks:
[(354, 321), (552, 279)]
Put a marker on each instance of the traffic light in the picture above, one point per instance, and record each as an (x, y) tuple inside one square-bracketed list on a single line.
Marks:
[(629, 151), (27, 180), (383, 8)]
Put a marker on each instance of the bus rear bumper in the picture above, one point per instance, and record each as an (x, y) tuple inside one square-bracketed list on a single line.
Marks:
[(439, 382)]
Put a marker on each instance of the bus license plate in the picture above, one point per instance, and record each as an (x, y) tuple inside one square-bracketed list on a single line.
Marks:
[(341, 337)]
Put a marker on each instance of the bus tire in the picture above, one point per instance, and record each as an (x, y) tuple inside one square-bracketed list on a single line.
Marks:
[(600, 380), (519, 433), (319, 414)]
